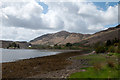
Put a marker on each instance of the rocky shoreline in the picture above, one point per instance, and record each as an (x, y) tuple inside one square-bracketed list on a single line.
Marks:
[(55, 66)]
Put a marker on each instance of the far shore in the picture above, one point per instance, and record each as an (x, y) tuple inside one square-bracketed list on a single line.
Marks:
[(40, 65), (44, 49)]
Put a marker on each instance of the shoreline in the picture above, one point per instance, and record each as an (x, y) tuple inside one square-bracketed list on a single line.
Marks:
[(62, 50), (38, 66), (55, 50)]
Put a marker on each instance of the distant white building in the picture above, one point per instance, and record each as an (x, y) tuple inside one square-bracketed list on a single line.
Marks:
[(29, 46), (52, 45)]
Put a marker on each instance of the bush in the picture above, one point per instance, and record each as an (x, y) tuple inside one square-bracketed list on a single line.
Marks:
[(111, 64), (116, 40), (108, 43), (110, 54), (13, 45), (118, 51), (97, 66), (111, 49), (110, 46), (100, 49), (68, 44)]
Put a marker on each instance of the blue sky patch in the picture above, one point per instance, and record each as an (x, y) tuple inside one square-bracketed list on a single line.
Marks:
[(104, 5), (107, 26), (45, 7), (100, 5)]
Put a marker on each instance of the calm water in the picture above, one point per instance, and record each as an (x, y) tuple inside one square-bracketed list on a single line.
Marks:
[(10, 55)]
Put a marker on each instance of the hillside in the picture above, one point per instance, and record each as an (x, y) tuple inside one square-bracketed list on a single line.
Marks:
[(102, 36), (61, 37), (64, 37)]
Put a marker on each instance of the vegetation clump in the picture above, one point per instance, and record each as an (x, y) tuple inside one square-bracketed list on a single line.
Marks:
[(97, 66), (111, 64), (13, 45), (67, 46), (109, 46)]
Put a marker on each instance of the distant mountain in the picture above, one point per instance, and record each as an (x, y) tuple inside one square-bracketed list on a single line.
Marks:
[(5, 44), (61, 37), (102, 36)]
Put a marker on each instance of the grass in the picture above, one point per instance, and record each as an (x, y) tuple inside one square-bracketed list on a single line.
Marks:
[(103, 66), (92, 73), (115, 54), (92, 59)]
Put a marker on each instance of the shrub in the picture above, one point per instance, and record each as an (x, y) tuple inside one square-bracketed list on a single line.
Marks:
[(116, 44), (14, 45), (118, 51), (100, 49), (68, 44), (108, 43), (111, 49), (116, 40), (111, 64), (110, 54), (97, 66)]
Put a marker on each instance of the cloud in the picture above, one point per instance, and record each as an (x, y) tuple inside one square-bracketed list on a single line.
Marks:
[(29, 15), (16, 34), (83, 17), (71, 16), (26, 15)]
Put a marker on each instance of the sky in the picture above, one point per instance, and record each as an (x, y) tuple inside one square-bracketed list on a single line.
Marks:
[(24, 21)]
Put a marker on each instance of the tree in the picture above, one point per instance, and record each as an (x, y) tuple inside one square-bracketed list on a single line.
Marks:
[(68, 44), (18, 46), (14, 44), (100, 49), (55, 45), (115, 41), (108, 43)]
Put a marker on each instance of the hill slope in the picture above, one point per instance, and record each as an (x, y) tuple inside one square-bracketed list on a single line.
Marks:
[(64, 37), (109, 34), (61, 37)]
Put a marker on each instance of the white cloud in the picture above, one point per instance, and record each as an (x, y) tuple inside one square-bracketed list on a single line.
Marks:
[(71, 16), (13, 33), (83, 17)]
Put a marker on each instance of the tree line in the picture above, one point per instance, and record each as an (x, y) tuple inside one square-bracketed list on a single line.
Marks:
[(13, 45)]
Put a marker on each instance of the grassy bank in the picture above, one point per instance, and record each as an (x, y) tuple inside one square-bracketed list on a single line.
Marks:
[(102, 66)]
